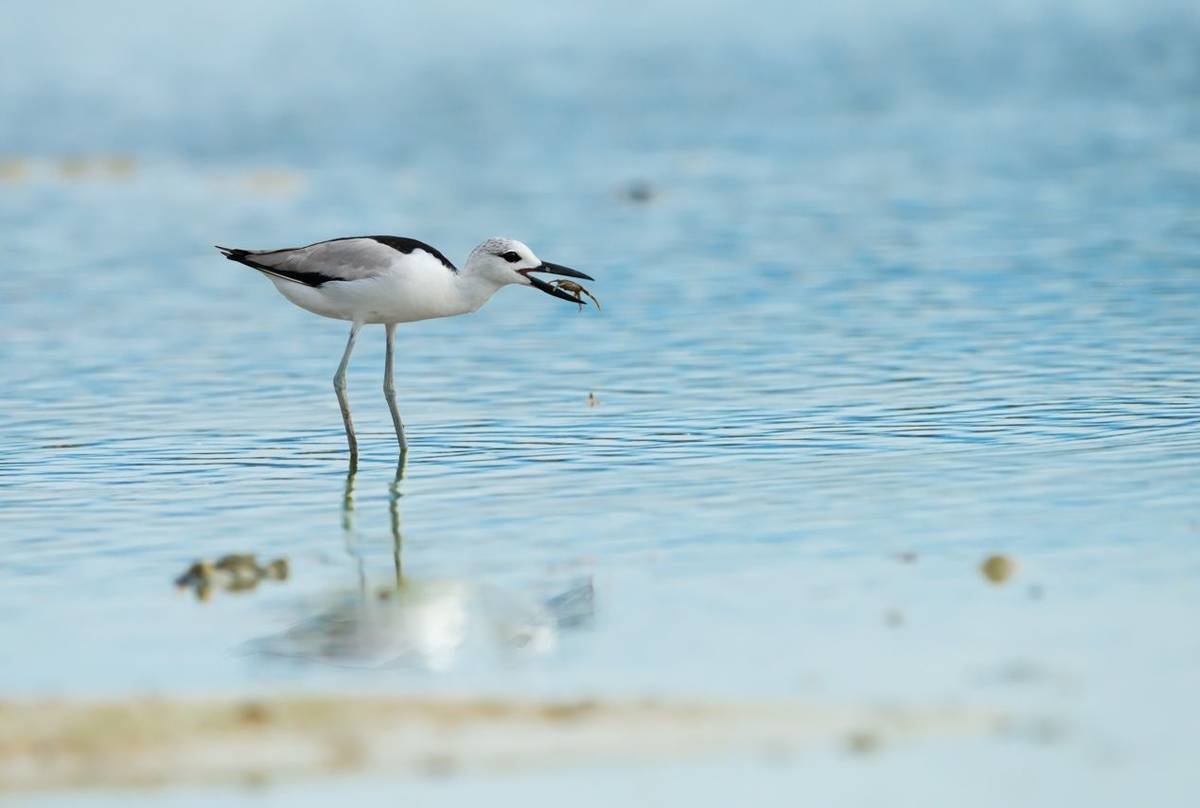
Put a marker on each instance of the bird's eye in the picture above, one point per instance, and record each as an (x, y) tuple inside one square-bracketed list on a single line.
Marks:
[(511, 257)]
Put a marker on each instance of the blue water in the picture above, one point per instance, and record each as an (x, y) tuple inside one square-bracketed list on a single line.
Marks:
[(918, 279)]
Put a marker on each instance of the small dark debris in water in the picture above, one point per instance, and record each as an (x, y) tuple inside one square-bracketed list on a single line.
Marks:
[(998, 568), (863, 742), (1036, 592), (592, 400), (907, 557), (639, 191), (198, 572), (241, 572), (894, 618), (232, 573)]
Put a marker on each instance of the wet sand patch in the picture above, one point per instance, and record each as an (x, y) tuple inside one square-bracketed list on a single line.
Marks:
[(153, 741)]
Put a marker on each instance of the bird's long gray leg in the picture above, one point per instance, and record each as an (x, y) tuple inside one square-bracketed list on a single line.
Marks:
[(389, 392), (339, 386)]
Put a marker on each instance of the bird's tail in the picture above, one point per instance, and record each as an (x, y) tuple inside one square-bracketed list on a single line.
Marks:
[(232, 253), (254, 260)]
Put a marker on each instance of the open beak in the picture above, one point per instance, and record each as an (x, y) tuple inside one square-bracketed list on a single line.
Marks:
[(553, 269)]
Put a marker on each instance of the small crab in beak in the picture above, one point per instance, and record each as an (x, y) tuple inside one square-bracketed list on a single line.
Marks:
[(559, 288), (577, 290)]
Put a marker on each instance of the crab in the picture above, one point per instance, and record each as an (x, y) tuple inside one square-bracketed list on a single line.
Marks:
[(571, 287)]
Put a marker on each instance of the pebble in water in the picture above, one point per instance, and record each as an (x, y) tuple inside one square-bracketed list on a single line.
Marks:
[(232, 573), (998, 568)]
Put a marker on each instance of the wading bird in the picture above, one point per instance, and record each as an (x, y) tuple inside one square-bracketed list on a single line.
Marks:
[(388, 280)]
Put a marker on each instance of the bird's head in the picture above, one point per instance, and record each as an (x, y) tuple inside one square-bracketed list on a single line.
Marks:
[(504, 260)]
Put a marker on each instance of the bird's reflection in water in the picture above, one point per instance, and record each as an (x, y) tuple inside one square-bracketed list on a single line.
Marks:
[(423, 624)]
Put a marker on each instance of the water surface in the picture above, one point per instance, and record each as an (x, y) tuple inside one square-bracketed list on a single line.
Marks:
[(910, 288)]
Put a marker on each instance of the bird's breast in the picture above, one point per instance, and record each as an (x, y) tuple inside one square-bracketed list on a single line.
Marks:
[(403, 293)]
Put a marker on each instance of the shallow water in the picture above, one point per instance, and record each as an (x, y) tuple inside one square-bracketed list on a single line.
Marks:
[(910, 288)]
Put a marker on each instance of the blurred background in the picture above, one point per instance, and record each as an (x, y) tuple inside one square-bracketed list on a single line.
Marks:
[(889, 289)]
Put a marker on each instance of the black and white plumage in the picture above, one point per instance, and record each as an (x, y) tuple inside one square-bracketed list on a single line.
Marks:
[(389, 280), (340, 259)]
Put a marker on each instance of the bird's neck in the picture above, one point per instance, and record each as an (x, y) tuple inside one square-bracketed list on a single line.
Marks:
[(474, 289)]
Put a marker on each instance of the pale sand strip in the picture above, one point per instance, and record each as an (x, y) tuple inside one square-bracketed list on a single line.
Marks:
[(61, 743)]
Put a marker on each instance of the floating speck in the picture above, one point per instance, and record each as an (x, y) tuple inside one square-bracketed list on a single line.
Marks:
[(998, 568), (639, 191)]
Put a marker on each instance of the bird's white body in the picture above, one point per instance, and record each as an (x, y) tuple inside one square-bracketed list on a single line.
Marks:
[(389, 280), (412, 287), (384, 279)]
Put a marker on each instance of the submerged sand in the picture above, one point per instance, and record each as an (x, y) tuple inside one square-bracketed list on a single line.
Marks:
[(150, 741)]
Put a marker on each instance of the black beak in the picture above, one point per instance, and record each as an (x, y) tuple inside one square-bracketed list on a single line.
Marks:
[(553, 269)]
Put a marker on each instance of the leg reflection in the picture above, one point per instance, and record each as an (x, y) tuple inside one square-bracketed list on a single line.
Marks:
[(431, 624), (394, 514), (349, 535)]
